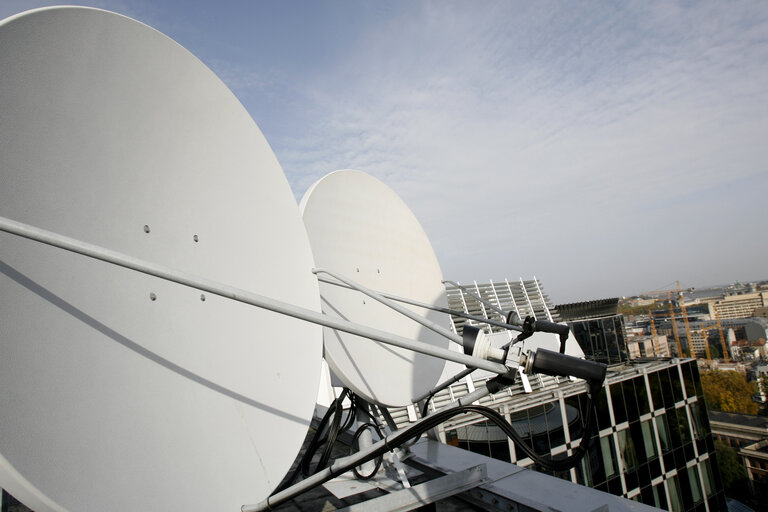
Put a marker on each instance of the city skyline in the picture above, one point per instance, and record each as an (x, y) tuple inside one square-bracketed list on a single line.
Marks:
[(605, 149)]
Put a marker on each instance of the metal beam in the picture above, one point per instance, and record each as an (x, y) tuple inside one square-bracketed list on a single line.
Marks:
[(424, 493)]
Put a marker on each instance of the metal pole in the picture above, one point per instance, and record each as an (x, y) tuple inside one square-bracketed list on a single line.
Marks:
[(433, 308), (237, 294), (400, 309), (344, 464)]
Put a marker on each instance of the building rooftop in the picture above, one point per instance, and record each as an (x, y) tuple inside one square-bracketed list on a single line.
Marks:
[(746, 420), (589, 309)]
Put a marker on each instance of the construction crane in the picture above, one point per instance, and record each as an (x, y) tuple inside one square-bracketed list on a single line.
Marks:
[(726, 355), (674, 325), (719, 327), (681, 298), (654, 334), (675, 331), (706, 341), (653, 324)]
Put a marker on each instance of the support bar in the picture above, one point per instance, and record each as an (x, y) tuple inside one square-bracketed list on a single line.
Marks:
[(442, 331), (240, 295)]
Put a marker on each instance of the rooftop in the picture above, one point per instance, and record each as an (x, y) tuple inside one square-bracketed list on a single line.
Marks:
[(746, 420)]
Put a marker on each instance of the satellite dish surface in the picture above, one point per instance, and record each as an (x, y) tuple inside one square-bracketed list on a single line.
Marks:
[(359, 228), (118, 390)]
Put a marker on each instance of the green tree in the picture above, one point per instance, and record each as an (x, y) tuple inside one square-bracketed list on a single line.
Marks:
[(729, 391), (732, 471)]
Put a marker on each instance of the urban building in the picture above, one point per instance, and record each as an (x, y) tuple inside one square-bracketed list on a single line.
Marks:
[(599, 329), (738, 430), (648, 346), (740, 305), (748, 435), (652, 443), (755, 457)]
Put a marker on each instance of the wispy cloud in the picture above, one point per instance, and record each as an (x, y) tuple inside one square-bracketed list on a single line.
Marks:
[(594, 145), (552, 136)]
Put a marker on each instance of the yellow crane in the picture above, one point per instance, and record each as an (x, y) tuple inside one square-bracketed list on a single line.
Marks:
[(726, 356), (675, 331), (704, 332), (685, 319), (719, 327), (674, 325)]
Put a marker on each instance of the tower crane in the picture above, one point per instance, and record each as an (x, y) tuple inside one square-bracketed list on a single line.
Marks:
[(675, 330), (685, 318)]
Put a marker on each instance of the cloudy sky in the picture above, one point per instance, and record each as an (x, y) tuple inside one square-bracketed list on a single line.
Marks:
[(606, 148)]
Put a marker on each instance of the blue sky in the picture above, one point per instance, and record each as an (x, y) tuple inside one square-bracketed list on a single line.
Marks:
[(606, 148)]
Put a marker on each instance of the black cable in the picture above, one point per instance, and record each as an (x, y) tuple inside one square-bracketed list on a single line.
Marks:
[(379, 459), (335, 410), (335, 429), (436, 418), (547, 462), (424, 409)]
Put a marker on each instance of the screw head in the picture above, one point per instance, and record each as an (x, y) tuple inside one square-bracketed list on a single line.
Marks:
[(146, 228), (152, 296)]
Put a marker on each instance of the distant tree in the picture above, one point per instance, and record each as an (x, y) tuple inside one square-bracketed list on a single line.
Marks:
[(715, 351), (628, 310), (729, 391), (732, 471)]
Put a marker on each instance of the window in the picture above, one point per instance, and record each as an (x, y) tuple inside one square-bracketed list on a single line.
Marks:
[(693, 478), (609, 456), (641, 393), (674, 495), (617, 400), (628, 453), (683, 426), (601, 409), (677, 387), (674, 427), (690, 389), (656, 393), (659, 496), (699, 417), (666, 441), (666, 388), (630, 398), (649, 440)]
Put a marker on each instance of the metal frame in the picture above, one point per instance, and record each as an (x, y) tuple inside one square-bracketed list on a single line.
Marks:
[(424, 493)]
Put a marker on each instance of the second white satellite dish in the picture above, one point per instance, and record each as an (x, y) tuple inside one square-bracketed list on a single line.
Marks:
[(120, 391), (360, 228)]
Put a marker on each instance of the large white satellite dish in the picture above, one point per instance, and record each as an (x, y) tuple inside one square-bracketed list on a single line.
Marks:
[(121, 391), (359, 228)]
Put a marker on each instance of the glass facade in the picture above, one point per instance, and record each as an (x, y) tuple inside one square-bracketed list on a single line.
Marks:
[(653, 443), (602, 339)]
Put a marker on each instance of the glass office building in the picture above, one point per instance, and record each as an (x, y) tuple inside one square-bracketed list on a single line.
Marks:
[(652, 443), (599, 329)]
